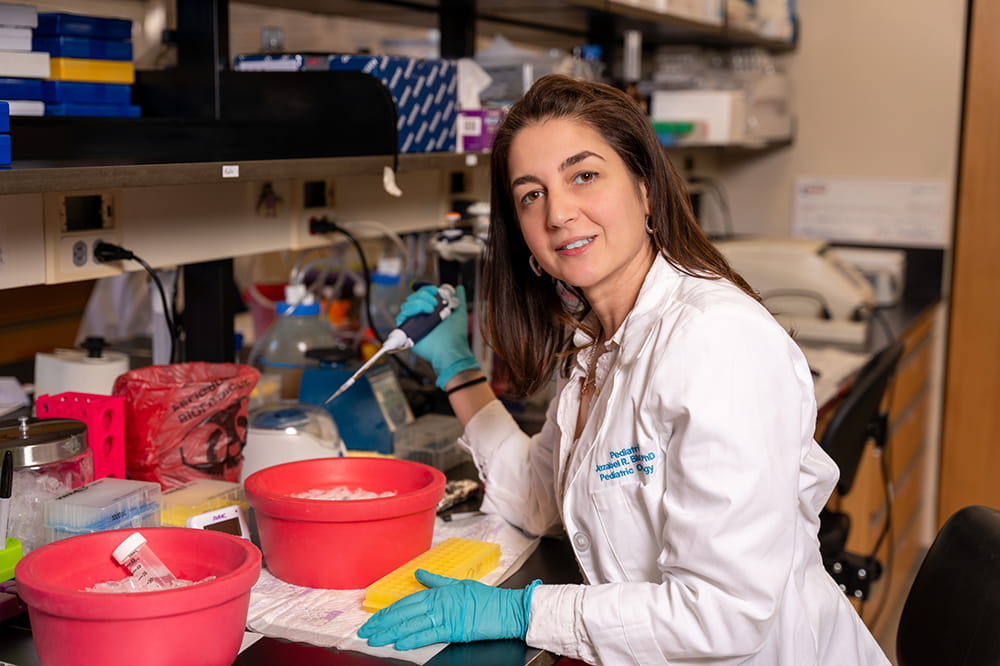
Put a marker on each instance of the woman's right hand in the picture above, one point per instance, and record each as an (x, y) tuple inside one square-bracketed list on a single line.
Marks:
[(446, 347)]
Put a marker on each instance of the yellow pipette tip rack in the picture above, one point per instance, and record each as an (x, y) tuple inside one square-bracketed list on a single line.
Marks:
[(454, 557)]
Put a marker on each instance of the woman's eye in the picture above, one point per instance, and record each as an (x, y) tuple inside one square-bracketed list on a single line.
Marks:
[(585, 177), (530, 197)]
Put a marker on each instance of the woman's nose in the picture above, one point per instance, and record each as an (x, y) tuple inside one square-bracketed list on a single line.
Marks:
[(562, 209)]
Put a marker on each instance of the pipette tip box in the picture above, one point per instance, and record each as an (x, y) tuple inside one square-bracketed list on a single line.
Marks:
[(105, 504), (455, 557), (197, 497)]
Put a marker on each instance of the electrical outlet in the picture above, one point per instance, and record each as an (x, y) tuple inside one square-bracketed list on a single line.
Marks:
[(74, 223), (318, 199)]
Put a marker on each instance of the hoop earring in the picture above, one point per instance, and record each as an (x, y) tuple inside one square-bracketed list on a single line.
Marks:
[(649, 225), (533, 264)]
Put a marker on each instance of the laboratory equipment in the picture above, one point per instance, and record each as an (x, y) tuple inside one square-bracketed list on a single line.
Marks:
[(368, 413), (285, 431), (104, 416), (454, 557), (281, 351), (51, 457), (408, 333), (229, 519), (70, 626), (104, 504), (145, 566), (194, 497), (358, 541), (810, 290)]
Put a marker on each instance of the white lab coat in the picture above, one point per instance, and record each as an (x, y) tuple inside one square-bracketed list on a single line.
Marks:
[(691, 497)]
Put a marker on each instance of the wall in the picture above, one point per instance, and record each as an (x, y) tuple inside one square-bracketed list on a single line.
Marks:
[(878, 89)]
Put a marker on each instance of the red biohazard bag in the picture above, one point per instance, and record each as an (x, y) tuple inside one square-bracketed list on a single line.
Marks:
[(185, 421)]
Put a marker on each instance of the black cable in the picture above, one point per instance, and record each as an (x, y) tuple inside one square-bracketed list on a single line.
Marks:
[(104, 252), (801, 293), (722, 198), (325, 226)]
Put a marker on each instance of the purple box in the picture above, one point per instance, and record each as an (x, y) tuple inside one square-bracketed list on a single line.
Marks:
[(476, 129)]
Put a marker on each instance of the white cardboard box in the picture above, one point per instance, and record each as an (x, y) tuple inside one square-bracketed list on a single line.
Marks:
[(722, 112)]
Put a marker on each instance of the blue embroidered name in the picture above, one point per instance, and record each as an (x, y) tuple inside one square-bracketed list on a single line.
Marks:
[(624, 462)]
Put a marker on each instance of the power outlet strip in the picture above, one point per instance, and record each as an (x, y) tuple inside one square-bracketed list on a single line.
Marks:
[(69, 250)]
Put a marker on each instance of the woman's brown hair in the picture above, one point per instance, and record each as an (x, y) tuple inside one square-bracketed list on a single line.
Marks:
[(527, 321)]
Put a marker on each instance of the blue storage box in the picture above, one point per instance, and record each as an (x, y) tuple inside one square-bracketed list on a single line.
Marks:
[(92, 110), (15, 88), (4, 149), (425, 91), (83, 47), (87, 93), (4, 117), (78, 25)]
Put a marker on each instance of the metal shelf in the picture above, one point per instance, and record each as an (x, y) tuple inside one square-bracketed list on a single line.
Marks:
[(28, 177)]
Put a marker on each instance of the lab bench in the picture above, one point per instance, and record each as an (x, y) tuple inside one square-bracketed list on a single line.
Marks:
[(552, 561)]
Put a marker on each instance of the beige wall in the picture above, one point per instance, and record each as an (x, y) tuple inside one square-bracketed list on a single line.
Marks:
[(878, 92)]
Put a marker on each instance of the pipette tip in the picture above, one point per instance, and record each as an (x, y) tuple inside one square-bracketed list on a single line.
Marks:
[(343, 387)]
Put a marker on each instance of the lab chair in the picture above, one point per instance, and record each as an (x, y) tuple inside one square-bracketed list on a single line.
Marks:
[(952, 612), (858, 419)]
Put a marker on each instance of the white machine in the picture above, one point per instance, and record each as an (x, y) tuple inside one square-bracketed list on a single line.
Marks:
[(808, 287), (286, 431)]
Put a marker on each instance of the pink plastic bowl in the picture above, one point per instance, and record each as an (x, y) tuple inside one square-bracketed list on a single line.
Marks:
[(200, 624), (343, 544)]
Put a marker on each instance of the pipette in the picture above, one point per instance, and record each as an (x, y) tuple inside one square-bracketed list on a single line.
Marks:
[(408, 333)]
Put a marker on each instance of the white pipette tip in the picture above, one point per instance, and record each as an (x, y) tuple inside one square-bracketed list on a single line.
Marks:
[(343, 387)]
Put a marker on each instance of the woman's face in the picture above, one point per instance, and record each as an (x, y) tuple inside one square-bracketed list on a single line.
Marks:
[(581, 212)]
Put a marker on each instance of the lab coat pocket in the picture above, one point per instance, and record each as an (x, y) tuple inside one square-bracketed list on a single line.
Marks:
[(626, 516)]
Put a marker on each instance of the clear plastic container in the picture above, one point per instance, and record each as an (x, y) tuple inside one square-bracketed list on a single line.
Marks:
[(135, 555), (298, 328), (386, 294)]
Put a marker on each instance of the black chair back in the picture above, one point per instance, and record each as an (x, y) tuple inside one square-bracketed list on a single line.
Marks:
[(952, 613)]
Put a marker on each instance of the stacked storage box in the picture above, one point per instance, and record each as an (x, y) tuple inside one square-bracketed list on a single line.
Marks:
[(4, 136), (425, 90), (21, 69), (92, 69)]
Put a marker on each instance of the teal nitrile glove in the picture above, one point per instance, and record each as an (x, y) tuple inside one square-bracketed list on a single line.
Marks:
[(446, 347), (450, 611)]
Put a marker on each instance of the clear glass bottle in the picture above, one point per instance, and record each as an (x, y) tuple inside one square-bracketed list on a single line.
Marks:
[(281, 351)]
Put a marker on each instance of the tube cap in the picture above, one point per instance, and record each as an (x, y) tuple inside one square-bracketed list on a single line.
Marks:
[(128, 546)]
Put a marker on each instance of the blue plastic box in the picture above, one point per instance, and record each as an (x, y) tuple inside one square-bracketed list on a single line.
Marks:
[(78, 25), (83, 47), (4, 117), (93, 110), (14, 88), (4, 149), (86, 93)]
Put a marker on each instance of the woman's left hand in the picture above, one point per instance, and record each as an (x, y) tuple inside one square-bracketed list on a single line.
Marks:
[(450, 611)]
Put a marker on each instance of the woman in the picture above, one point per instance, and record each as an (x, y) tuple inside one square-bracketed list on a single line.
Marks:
[(678, 453)]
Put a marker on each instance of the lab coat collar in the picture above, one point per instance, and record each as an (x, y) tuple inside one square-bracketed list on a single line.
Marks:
[(655, 295)]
